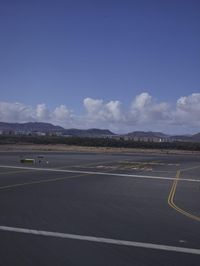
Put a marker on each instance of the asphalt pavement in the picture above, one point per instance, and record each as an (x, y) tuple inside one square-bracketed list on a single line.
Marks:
[(99, 209)]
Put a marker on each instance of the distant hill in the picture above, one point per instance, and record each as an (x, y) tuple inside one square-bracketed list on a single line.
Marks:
[(148, 134), (162, 136), (49, 128), (89, 132), (196, 137), (183, 138), (30, 127)]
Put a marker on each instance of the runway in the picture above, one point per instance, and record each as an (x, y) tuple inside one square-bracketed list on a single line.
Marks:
[(99, 209)]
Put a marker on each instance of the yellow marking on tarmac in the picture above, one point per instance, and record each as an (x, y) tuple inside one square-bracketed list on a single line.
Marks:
[(63, 167), (149, 162), (90, 164), (40, 181), (171, 199), (15, 172)]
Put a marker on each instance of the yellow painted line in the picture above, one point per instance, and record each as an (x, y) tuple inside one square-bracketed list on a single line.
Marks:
[(173, 189), (63, 167), (15, 172), (171, 199), (39, 182), (93, 164)]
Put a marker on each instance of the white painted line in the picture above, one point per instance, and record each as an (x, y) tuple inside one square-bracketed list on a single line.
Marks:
[(97, 173), (101, 240)]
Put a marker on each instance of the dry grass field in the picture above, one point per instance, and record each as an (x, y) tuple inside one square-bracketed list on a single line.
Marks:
[(73, 148)]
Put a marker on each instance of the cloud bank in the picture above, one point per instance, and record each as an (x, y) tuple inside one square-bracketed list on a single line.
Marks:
[(143, 113)]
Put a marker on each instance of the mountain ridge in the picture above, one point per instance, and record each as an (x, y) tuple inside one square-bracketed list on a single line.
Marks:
[(49, 128)]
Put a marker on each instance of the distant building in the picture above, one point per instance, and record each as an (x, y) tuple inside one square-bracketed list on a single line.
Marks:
[(142, 138), (37, 133)]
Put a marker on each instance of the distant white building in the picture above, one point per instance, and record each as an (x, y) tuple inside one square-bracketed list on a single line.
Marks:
[(38, 133)]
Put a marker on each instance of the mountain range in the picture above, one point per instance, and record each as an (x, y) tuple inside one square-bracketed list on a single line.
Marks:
[(94, 132), (151, 135), (49, 128)]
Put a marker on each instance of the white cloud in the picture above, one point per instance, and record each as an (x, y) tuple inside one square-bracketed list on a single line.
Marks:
[(15, 112), (144, 113), (93, 106), (42, 113), (19, 113), (113, 110), (187, 112), (145, 109), (141, 101), (99, 111), (62, 113), (189, 103), (63, 116)]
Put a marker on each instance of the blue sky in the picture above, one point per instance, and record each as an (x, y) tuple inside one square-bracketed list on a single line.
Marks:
[(74, 56)]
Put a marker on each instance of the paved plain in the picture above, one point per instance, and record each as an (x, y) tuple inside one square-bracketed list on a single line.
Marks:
[(84, 206)]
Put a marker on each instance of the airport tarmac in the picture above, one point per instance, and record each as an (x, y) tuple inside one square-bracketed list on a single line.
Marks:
[(71, 208)]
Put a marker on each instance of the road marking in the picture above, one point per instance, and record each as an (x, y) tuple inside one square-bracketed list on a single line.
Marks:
[(190, 168), (97, 173), (95, 164), (101, 240), (15, 172), (88, 164), (40, 181), (171, 199)]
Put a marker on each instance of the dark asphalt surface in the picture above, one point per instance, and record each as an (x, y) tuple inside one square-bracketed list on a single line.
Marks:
[(126, 208)]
